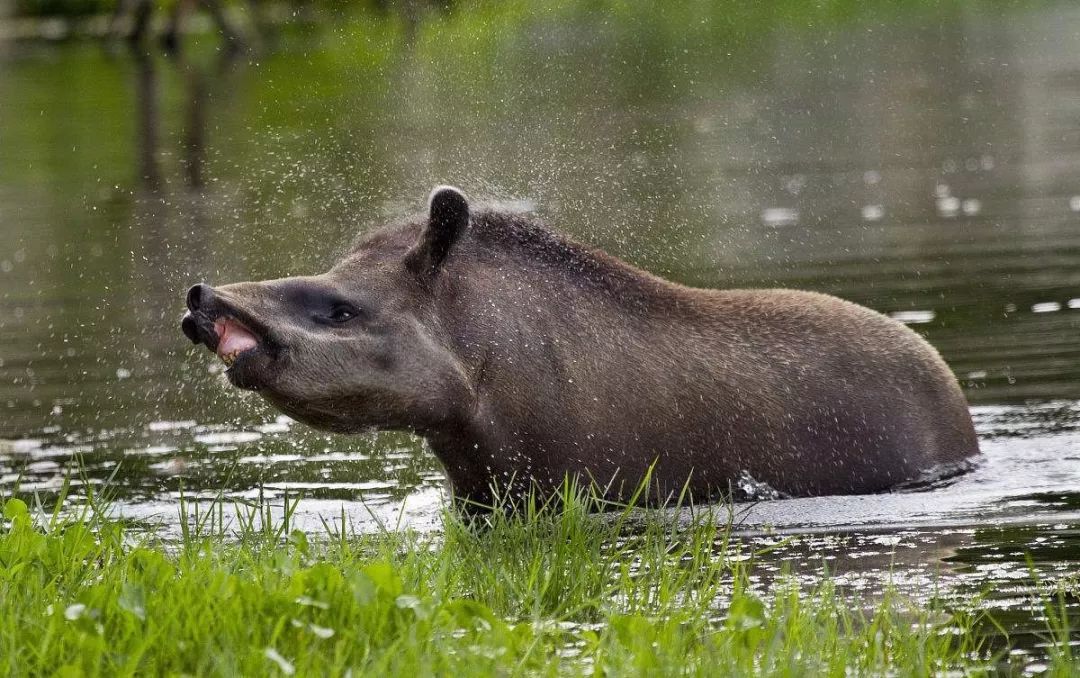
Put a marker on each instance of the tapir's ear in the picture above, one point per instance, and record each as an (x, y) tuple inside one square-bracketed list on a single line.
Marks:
[(448, 215)]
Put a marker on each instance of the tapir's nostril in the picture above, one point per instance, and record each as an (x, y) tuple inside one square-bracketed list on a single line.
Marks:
[(197, 296), (190, 329)]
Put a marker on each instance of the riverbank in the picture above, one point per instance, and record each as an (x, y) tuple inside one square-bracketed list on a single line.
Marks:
[(564, 591)]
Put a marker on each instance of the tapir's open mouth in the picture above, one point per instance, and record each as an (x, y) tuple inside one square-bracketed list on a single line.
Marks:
[(238, 340), (226, 336), (233, 339)]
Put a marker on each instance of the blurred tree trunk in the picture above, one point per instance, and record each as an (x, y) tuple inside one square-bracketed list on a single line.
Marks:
[(134, 18), (7, 10), (174, 30)]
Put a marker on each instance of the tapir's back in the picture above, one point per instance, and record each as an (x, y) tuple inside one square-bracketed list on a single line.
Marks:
[(806, 392), (591, 367), (856, 401)]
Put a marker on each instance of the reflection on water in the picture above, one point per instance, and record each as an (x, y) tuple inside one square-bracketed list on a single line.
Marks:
[(926, 164)]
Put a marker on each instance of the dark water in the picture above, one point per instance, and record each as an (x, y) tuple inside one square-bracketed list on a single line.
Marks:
[(922, 161)]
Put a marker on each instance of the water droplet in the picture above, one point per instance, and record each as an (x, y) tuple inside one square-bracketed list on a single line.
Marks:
[(779, 216), (872, 212), (284, 664), (913, 317), (311, 602), (1046, 307), (73, 612), (948, 206)]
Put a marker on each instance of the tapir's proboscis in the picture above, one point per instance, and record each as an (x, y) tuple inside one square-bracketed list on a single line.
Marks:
[(525, 358)]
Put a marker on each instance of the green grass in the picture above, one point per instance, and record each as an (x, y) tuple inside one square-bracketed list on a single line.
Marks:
[(549, 590)]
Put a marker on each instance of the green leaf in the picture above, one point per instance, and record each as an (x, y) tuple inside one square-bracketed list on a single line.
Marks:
[(746, 612), (384, 578), (419, 608), (15, 508), (133, 600), (69, 671), (299, 541)]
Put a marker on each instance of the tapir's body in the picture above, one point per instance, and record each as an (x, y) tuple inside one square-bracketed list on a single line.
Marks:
[(524, 358)]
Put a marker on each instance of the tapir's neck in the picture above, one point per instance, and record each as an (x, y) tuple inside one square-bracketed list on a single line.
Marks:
[(546, 340), (533, 311)]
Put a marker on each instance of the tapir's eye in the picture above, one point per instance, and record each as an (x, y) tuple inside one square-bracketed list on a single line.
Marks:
[(343, 313)]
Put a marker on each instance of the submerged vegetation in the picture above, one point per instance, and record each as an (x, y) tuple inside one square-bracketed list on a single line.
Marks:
[(546, 591)]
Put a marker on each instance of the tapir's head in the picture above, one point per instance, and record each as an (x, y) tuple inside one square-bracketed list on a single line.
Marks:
[(357, 347)]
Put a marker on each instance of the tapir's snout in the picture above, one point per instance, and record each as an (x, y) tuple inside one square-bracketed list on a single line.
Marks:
[(217, 320), (198, 297)]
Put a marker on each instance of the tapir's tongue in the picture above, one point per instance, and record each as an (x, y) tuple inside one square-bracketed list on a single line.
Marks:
[(233, 338)]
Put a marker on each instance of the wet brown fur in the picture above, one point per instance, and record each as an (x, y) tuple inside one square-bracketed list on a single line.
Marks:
[(581, 364), (539, 358)]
